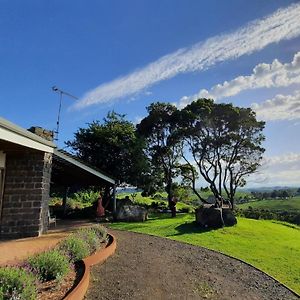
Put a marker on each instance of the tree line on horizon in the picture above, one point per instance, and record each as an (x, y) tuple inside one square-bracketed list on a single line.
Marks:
[(219, 143)]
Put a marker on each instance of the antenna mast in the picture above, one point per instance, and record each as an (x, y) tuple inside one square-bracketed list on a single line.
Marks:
[(61, 93)]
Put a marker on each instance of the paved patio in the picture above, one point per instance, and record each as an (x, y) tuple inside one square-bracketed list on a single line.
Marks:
[(15, 251)]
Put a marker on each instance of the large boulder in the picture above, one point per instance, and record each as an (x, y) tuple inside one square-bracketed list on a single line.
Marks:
[(123, 202), (212, 217), (228, 217), (131, 213), (209, 216)]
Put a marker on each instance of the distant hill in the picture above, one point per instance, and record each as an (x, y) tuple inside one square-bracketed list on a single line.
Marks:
[(290, 204), (269, 188)]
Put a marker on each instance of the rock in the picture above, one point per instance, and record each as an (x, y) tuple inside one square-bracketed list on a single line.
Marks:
[(131, 213), (209, 216), (228, 217), (212, 217), (124, 201)]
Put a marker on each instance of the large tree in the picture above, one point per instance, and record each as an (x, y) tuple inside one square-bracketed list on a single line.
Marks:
[(162, 149), (112, 146), (224, 143)]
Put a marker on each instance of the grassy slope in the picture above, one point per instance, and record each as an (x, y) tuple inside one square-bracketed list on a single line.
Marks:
[(292, 204), (271, 246)]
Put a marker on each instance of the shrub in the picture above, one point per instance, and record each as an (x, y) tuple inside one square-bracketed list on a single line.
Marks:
[(251, 213), (75, 248), (50, 265), (184, 210), (90, 237), (100, 231), (86, 196), (16, 283)]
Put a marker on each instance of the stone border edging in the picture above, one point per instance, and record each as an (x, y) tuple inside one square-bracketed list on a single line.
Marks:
[(99, 257)]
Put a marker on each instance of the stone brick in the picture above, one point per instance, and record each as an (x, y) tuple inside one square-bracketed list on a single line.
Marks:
[(26, 193), (27, 204)]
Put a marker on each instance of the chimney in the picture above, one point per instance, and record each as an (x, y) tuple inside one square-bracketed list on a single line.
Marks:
[(44, 133)]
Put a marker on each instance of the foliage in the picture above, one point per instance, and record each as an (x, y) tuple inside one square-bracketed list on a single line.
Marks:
[(88, 196), (180, 191), (75, 248), (289, 205), (50, 265), (286, 216), (250, 241), (147, 202), (55, 201), (162, 149), (224, 142), (100, 231), (83, 242), (275, 194), (112, 146), (16, 283)]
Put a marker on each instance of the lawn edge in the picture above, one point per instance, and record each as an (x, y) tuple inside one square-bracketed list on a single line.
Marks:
[(219, 252)]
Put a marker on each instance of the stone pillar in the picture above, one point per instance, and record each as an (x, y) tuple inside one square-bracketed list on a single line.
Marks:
[(26, 194)]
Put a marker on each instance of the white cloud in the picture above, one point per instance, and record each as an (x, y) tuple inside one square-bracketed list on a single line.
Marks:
[(264, 75), (281, 25), (279, 170), (137, 120), (281, 107)]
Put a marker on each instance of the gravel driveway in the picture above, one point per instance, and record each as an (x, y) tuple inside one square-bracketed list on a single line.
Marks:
[(147, 267)]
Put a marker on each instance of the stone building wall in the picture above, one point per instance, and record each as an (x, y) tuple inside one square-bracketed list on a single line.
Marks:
[(26, 194)]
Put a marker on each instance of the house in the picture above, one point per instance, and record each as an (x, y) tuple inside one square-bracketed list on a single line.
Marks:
[(28, 165)]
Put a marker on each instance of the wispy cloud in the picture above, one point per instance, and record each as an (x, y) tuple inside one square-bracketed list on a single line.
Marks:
[(264, 75), (281, 25), (280, 170), (281, 107)]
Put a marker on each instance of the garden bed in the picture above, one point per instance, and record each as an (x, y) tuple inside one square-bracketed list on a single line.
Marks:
[(59, 273)]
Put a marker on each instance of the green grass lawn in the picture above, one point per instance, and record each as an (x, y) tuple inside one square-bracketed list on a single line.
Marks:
[(271, 246), (291, 204)]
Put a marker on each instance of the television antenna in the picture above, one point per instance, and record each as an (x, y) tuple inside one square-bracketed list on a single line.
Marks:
[(61, 93)]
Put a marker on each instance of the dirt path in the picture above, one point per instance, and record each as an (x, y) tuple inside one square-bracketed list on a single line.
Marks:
[(146, 267)]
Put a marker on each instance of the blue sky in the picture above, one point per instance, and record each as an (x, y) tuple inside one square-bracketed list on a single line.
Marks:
[(123, 55)]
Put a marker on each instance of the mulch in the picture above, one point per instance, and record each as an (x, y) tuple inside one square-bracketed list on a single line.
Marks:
[(148, 267)]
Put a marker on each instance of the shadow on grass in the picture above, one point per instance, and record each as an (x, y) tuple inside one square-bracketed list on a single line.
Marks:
[(190, 227)]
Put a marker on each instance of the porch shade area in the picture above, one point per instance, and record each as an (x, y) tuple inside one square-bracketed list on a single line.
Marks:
[(69, 171)]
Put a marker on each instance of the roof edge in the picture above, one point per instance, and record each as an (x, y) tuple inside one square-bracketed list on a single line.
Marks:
[(68, 157), (25, 133)]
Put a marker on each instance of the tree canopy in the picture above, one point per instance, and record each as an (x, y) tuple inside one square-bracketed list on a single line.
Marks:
[(162, 148), (224, 142), (112, 146), (216, 142)]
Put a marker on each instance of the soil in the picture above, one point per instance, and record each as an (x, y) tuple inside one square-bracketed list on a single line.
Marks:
[(53, 290), (147, 267)]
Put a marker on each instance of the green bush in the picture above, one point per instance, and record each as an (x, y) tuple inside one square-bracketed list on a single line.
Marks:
[(85, 196), (16, 283), (90, 237), (100, 231), (74, 247), (264, 214), (50, 265)]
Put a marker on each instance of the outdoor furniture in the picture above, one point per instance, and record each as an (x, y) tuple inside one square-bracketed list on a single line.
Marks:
[(51, 220)]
